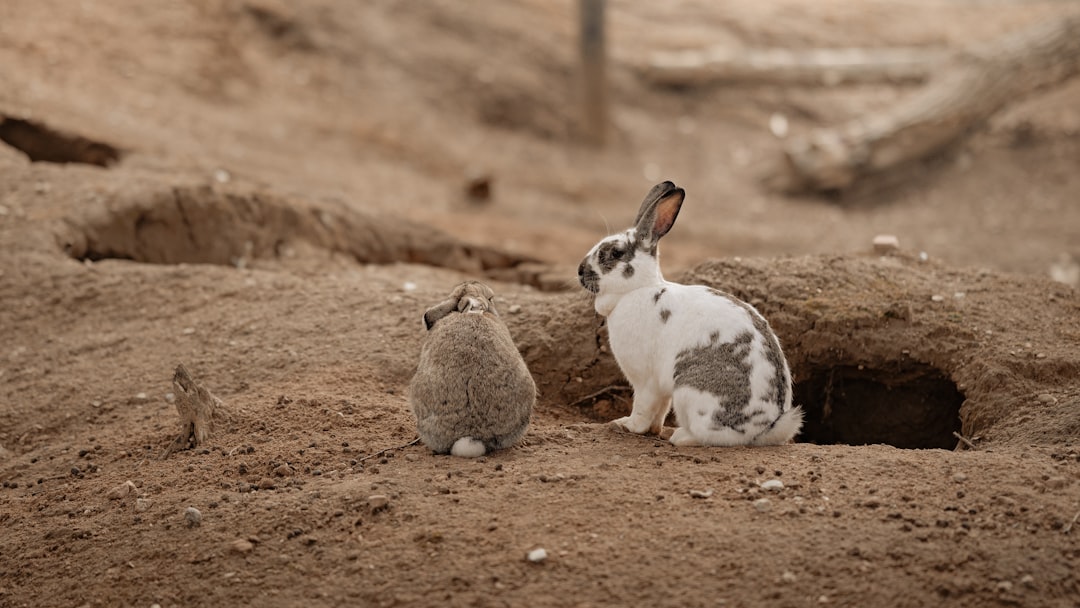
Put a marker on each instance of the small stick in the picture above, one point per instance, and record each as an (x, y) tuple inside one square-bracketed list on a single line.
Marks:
[(609, 389), (381, 452), (964, 440), (1068, 527)]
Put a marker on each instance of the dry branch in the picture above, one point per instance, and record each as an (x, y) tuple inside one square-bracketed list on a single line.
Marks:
[(981, 81), (197, 407), (724, 65)]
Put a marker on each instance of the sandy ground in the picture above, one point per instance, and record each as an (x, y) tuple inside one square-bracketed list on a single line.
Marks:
[(292, 191)]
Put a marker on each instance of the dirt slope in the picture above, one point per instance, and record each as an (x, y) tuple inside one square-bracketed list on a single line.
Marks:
[(291, 193)]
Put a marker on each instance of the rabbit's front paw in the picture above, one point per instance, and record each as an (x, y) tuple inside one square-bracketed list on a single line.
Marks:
[(682, 437), (630, 423)]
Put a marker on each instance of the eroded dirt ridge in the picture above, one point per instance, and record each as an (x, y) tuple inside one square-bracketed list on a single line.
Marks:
[(210, 225), (41, 143)]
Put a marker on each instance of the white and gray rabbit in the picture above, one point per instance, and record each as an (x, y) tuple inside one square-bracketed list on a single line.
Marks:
[(472, 392), (709, 355)]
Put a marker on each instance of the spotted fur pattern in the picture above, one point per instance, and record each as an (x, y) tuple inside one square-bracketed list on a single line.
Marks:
[(704, 353)]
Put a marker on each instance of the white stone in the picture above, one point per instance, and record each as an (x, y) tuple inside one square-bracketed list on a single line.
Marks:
[(537, 555)]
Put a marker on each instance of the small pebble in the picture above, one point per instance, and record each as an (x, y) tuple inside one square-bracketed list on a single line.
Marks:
[(762, 505), (282, 470), (772, 485), (1056, 483), (537, 555), (1047, 398), (701, 494), (378, 502), (143, 504), (514, 309), (193, 517), (241, 546), (122, 490), (788, 576), (937, 298), (886, 243), (959, 478), (188, 331), (266, 484)]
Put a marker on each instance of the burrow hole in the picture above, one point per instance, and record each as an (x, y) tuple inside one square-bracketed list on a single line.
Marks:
[(914, 406), (44, 144), (911, 406)]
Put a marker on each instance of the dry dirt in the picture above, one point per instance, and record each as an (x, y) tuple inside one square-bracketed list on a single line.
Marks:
[(271, 193)]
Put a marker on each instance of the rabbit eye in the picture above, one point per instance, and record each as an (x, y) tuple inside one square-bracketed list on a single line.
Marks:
[(617, 253)]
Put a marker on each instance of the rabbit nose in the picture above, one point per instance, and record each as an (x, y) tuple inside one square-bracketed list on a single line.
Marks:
[(581, 269)]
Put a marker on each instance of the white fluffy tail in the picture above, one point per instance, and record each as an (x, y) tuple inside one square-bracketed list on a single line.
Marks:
[(467, 447), (783, 430)]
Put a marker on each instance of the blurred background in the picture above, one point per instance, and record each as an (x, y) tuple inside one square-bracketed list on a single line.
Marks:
[(474, 117)]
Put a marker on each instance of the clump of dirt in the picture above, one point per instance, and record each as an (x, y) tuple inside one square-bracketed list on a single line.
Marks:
[(296, 189)]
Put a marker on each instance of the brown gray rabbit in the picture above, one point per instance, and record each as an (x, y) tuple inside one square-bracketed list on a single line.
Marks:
[(472, 392)]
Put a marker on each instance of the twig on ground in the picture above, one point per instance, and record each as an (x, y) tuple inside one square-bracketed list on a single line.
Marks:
[(607, 389), (381, 452), (964, 440), (1068, 526)]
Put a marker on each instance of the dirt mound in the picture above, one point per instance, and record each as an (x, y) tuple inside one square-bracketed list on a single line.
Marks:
[(293, 191)]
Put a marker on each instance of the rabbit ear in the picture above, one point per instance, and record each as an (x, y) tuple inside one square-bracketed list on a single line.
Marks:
[(658, 212), (439, 311)]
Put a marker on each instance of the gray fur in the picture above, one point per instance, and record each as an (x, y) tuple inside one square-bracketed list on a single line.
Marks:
[(665, 314), (770, 348), (471, 380), (610, 254), (721, 369), (647, 231), (656, 298)]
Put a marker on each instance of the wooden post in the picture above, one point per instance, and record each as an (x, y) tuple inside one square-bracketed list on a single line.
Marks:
[(593, 72)]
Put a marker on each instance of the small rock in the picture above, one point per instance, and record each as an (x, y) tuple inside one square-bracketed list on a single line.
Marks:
[(959, 478), (772, 485), (937, 298), (1040, 355), (1027, 580), (378, 502), (241, 546), (886, 243), (1047, 398), (193, 517), (788, 576), (1004, 586), (514, 309), (1056, 483), (188, 331), (283, 470), (143, 504), (701, 494), (478, 187), (267, 484), (537, 555), (762, 505), (411, 457), (141, 396), (122, 490)]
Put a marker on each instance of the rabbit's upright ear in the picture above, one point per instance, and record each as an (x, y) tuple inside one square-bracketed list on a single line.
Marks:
[(658, 212), (439, 311)]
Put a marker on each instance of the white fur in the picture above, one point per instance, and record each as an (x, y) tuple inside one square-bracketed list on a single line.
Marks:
[(467, 447), (646, 349)]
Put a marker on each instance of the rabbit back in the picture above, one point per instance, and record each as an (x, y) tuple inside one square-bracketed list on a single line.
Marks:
[(715, 355), (471, 381)]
